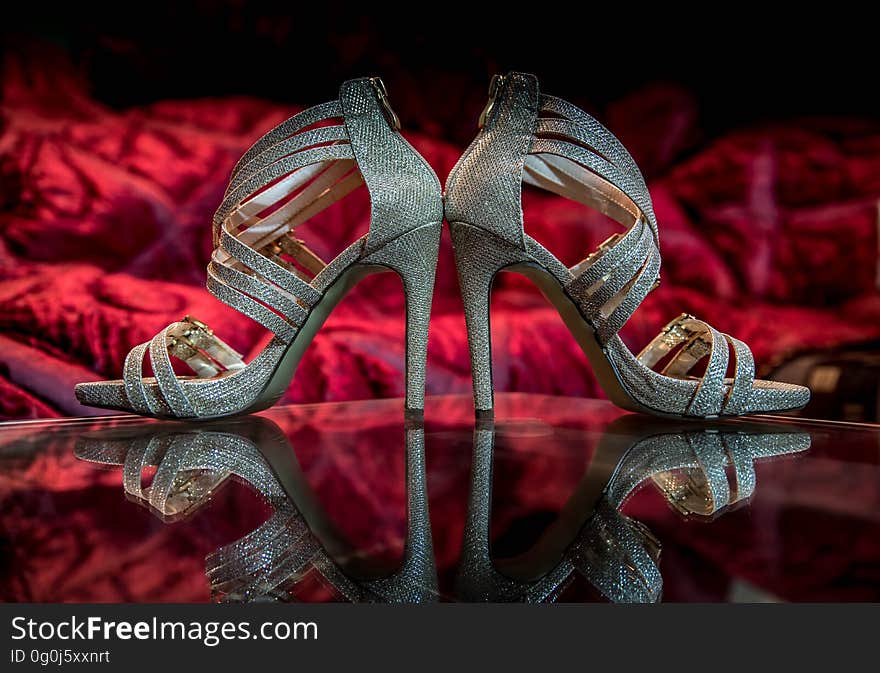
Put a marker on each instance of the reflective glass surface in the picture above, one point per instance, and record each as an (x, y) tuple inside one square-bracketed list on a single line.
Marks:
[(558, 499)]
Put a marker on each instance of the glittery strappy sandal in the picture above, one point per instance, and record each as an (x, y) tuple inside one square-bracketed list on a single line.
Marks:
[(259, 268), (549, 143)]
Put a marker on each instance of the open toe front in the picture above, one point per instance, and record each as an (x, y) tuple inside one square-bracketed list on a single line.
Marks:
[(104, 395)]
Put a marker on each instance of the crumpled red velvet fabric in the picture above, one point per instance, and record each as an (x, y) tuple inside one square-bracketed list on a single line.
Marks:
[(768, 233)]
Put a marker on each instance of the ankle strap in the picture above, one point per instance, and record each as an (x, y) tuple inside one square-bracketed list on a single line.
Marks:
[(282, 153), (314, 154), (550, 143), (580, 149), (295, 171)]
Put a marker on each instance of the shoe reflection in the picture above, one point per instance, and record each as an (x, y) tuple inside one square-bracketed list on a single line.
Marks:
[(688, 462), (702, 469), (192, 461)]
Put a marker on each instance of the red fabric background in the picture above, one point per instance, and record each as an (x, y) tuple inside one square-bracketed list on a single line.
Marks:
[(769, 233)]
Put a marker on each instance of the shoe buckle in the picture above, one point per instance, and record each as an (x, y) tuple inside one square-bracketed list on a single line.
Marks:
[(382, 95), (494, 88), (609, 242), (677, 329), (190, 341), (678, 322), (603, 247)]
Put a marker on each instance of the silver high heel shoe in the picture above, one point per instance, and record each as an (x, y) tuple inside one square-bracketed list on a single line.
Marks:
[(527, 136), (262, 270)]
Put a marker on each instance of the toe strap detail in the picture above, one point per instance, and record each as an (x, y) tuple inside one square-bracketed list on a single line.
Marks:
[(709, 397), (169, 385), (686, 341), (699, 481), (189, 340), (135, 390), (741, 390)]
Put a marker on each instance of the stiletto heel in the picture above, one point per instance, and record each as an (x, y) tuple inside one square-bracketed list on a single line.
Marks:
[(262, 270), (414, 257), (527, 136), (479, 256)]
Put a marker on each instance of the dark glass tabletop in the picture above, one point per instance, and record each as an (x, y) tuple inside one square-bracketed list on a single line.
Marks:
[(558, 499)]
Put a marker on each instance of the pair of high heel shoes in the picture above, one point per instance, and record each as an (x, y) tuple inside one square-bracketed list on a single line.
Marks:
[(322, 154)]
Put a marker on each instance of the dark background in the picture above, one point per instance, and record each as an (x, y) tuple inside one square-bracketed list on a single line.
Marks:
[(743, 64)]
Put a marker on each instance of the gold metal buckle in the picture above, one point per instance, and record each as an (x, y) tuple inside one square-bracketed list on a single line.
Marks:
[(674, 332), (672, 324), (185, 345), (609, 242), (197, 324), (494, 87), (382, 94), (603, 247), (283, 245)]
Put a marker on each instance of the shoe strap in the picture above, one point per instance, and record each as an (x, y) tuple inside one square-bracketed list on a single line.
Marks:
[(703, 488), (691, 468), (188, 340), (295, 171), (550, 143), (690, 341), (280, 156), (618, 556), (588, 163), (530, 137), (575, 156)]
